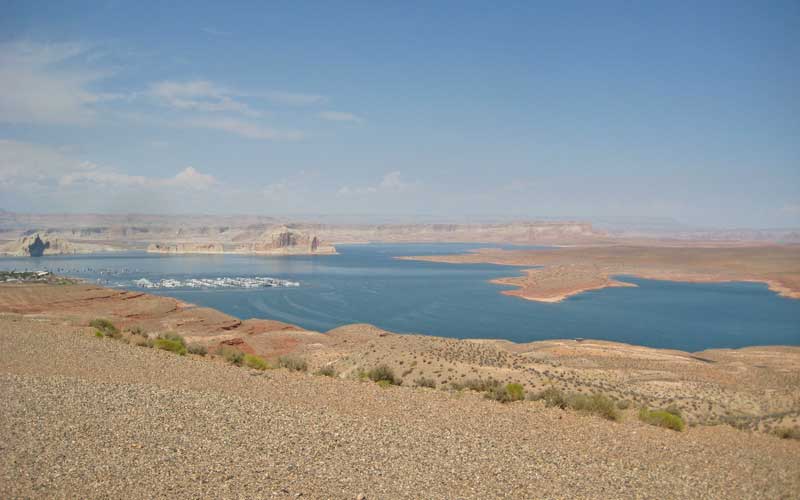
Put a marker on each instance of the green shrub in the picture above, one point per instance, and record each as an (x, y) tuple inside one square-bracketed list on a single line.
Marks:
[(477, 384), (382, 372), (105, 327), (170, 345), (425, 382), (232, 356), (327, 371), (515, 391), (674, 410), (551, 397), (661, 418), (256, 362), (173, 337), (596, 403), (143, 342), (98, 333), (196, 348), (293, 363), (787, 432), (507, 393), (138, 331)]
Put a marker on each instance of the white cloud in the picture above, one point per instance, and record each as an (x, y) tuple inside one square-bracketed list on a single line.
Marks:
[(291, 98), (339, 116), (40, 83), (199, 95), (32, 167), (246, 129), (392, 182)]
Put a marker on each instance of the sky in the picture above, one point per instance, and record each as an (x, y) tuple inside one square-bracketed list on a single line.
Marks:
[(507, 110)]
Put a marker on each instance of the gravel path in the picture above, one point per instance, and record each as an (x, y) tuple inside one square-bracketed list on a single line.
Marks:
[(95, 418)]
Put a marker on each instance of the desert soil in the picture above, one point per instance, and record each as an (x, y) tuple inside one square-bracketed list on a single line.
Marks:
[(93, 417)]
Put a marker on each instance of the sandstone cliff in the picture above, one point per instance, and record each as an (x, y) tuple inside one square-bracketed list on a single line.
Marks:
[(181, 248), (286, 241), (36, 245)]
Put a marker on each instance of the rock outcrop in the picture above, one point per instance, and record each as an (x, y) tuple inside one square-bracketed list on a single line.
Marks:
[(286, 241), (36, 245), (180, 248)]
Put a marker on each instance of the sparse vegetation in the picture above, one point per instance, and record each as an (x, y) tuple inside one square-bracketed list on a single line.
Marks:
[(597, 404), (515, 391), (506, 394), (327, 371), (255, 362), (787, 432), (232, 355), (662, 418), (106, 328), (171, 342), (551, 397), (383, 372), (476, 384), (425, 382), (197, 348), (143, 342), (138, 331), (293, 363)]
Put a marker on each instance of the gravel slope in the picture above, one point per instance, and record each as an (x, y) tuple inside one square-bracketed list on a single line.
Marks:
[(94, 418)]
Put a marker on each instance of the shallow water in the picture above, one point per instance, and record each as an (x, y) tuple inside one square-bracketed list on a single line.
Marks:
[(364, 284)]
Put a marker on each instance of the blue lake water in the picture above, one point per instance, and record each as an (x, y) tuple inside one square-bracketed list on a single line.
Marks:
[(365, 284)]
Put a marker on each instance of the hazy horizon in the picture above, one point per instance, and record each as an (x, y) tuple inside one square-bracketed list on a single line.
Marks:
[(412, 111)]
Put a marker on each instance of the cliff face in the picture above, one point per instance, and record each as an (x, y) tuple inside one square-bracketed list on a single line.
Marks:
[(179, 248), (36, 245), (285, 241)]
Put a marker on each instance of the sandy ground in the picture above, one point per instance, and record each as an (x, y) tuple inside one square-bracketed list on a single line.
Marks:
[(754, 388), (97, 418)]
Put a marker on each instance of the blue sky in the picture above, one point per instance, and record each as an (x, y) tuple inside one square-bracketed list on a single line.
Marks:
[(438, 109)]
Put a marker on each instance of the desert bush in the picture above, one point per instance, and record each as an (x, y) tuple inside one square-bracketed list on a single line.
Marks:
[(170, 345), (507, 393), (256, 362), (382, 372), (551, 397), (327, 371), (515, 391), (787, 432), (674, 410), (138, 331), (99, 334), (661, 418), (232, 356), (105, 327), (425, 382), (197, 348), (623, 404), (143, 342), (596, 403), (384, 383), (476, 384), (293, 363)]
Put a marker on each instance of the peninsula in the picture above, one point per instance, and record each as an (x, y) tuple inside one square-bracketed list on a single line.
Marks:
[(565, 271)]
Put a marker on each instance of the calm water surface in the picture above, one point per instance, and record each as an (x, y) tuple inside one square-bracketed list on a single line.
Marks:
[(364, 284)]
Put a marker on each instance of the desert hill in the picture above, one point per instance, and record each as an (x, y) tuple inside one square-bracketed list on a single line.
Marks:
[(99, 416)]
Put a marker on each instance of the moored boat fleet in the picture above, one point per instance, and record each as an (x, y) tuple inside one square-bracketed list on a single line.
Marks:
[(222, 282)]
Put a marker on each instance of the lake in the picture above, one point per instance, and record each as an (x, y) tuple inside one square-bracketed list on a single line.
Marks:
[(365, 284)]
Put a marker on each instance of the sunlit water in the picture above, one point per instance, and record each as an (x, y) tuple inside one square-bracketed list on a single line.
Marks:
[(364, 284)]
